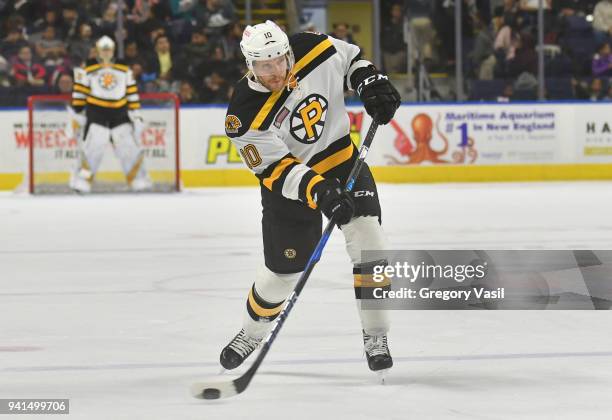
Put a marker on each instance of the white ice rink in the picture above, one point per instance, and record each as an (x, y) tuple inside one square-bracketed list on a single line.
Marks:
[(120, 302)]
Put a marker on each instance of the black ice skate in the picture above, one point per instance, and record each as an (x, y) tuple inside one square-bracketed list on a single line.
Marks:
[(238, 350), (377, 352)]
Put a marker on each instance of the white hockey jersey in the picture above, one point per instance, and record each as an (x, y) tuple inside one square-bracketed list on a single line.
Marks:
[(106, 86), (291, 138)]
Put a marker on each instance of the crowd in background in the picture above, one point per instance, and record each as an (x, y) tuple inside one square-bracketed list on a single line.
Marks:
[(499, 41), (191, 47)]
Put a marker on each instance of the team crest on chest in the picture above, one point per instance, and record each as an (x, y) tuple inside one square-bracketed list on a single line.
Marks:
[(107, 80), (308, 119)]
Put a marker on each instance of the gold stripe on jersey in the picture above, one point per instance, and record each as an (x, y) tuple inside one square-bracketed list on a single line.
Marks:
[(134, 105), (277, 172), (81, 88), (314, 53), (121, 67), (334, 160), (79, 102), (275, 96), (315, 180), (92, 67), (106, 104), (132, 89)]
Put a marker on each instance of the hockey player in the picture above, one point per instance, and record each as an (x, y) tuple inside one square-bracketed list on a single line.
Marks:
[(106, 104), (288, 121)]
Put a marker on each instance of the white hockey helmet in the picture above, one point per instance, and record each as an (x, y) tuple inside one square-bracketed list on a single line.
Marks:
[(105, 43), (265, 41)]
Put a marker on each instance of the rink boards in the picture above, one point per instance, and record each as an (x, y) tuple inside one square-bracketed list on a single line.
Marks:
[(424, 143)]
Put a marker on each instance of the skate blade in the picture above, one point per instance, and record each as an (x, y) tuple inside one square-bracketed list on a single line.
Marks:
[(382, 375)]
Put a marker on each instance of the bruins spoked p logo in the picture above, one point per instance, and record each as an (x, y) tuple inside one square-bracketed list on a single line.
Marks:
[(308, 119)]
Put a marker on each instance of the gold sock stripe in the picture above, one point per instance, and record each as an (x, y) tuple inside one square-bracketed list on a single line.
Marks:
[(366, 280), (261, 311)]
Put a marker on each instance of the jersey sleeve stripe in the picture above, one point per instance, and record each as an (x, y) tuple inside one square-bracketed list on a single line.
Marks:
[(132, 89), (78, 95), (78, 102), (277, 172), (313, 181), (134, 105), (334, 160), (81, 88)]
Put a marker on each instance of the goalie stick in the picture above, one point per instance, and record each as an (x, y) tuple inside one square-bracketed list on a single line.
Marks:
[(212, 390)]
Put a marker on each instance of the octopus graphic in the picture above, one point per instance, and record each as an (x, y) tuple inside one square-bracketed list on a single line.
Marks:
[(422, 129)]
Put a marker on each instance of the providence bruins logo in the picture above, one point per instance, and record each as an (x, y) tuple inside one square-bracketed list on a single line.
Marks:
[(107, 80), (308, 119)]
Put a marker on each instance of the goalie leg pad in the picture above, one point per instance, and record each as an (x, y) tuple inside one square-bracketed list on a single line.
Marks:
[(129, 153), (94, 147), (365, 233), (266, 299)]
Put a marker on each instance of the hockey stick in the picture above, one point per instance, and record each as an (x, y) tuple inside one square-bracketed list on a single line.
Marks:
[(223, 389)]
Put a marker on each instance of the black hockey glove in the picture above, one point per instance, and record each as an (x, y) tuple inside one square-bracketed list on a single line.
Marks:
[(332, 200), (378, 95)]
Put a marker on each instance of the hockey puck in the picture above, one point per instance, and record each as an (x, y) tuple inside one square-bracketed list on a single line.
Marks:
[(211, 394)]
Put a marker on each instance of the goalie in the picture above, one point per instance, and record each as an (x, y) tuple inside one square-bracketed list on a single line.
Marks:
[(106, 104)]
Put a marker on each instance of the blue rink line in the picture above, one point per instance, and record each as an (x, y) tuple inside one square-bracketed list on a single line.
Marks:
[(416, 359)]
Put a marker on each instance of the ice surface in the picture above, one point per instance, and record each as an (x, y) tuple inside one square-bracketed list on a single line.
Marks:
[(121, 302)]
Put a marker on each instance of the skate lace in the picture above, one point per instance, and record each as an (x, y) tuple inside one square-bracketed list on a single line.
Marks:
[(376, 345), (243, 344)]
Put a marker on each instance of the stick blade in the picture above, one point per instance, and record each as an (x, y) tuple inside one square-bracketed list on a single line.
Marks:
[(214, 390)]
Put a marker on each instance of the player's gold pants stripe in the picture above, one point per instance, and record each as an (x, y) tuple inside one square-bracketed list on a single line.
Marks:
[(314, 53), (334, 160), (81, 88), (277, 172), (315, 180), (304, 61), (366, 280), (260, 311), (106, 104)]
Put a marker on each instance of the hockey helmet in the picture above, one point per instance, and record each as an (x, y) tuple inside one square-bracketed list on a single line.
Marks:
[(105, 43), (265, 41)]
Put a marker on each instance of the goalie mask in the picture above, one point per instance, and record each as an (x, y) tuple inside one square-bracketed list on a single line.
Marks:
[(268, 55), (106, 48)]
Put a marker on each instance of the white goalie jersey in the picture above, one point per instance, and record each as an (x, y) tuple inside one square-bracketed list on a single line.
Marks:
[(290, 139), (105, 86)]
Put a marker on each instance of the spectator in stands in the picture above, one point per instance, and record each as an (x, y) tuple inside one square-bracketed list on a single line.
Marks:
[(49, 48), (50, 18), (187, 94), (63, 86), (483, 54), (421, 28), (508, 37), (596, 90), (131, 53), (602, 61), (214, 14), (137, 72), (602, 21), (69, 28), (230, 42), (193, 55), (108, 23), (13, 42), (162, 63), (608, 96), (525, 58), (341, 31), (392, 41), (79, 48), (215, 88), (26, 71)]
